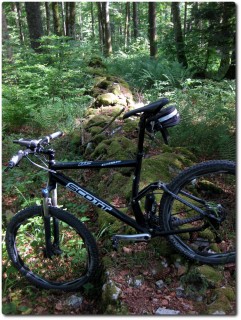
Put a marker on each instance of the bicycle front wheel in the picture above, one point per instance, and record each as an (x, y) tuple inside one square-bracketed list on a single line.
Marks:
[(73, 263), (209, 186)]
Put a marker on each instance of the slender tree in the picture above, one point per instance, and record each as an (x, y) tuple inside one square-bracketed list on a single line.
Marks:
[(152, 29), (17, 12), (185, 20), (108, 42), (92, 19), (180, 46), (80, 13), (127, 25), (135, 20), (71, 20), (67, 18), (227, 45), (63, 18), (6, 37), (47, 10), (35, 25), (56, 19), (101, 24)]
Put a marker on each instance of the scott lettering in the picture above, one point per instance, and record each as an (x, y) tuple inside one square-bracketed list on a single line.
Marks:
[(73, 187)]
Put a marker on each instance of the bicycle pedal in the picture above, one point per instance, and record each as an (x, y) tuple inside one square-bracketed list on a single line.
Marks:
[(129, 237)]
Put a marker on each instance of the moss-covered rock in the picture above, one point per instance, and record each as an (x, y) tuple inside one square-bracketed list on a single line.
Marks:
[(210, 187), (221, 300), (97, 120), (96, 62), (130, 126), (118, 184), (162, 167), (194, 283), (100, 72), (117, 148), (212, 275), (106, 99)]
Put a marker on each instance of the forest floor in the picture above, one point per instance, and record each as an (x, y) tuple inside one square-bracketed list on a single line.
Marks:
[(146, 282)]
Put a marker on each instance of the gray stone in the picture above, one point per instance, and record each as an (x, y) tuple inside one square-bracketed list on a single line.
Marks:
[(160, 284), (135, 282), (166, 311), (219, 312), (74, 301), (111, 291), (180, 292)]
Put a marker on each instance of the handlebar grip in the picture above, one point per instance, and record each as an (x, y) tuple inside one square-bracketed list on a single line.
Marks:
[(16, 159), (56, 135)]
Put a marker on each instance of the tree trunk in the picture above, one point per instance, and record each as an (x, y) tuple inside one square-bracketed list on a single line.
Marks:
[(185, 20), (152, 29), (63, 19), (180, 46), (57, 27), (108, 42), (227, 47), (135, 20), (67, 18), (80, 37), (101, 23), (6, 37), (35, 25), (127, 25), (92, 20), (19, 22), (72, 20), (47, 18)]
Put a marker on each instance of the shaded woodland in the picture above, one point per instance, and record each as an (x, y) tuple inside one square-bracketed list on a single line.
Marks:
[(76, 67)]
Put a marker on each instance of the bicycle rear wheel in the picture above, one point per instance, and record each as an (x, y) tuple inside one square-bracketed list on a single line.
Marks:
[(73, 264), (209, 186)]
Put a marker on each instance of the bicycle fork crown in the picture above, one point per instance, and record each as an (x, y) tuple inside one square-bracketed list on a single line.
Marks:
[(46, 201)]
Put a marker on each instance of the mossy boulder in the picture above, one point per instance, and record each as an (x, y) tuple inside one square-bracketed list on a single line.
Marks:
[(96, 72), (221, 300), (118, 184), (111, 91), (209, 187), (130, 126), (194, 283), (111, 225), (96, 62), (212, 275), (110, 292), (163, 167), (106, 99), (117, 148)]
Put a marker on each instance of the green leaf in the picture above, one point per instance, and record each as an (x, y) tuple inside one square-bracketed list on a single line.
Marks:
[(9, 308)]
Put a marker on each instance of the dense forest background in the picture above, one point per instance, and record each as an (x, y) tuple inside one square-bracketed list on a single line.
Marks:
[(53, 54), (185, 51)]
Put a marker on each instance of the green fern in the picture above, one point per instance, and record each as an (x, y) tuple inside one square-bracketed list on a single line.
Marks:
[(61, 115)]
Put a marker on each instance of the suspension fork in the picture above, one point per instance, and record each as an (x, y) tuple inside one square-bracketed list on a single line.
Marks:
[(51, 248)]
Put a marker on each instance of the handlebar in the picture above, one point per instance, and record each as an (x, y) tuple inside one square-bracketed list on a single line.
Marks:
[(35, 143), (32, 147)]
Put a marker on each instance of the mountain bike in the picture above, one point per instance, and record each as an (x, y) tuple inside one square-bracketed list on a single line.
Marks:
[(196, 212)]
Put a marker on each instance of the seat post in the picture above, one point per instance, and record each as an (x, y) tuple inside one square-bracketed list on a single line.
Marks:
[(139, 156)]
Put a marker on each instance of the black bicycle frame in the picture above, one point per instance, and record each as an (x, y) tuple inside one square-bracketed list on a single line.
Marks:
[(58, 177), (139, 223)]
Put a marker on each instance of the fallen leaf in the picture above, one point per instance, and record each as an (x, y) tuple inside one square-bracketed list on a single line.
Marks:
[(59, 306), (127, 250)]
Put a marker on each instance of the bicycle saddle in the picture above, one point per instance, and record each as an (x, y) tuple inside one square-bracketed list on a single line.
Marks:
[(153, 107)]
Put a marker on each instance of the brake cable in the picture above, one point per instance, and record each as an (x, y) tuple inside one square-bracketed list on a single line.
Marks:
[(39, 166)]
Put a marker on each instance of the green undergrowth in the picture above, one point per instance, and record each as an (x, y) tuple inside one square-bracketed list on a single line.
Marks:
[(41, 95)]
